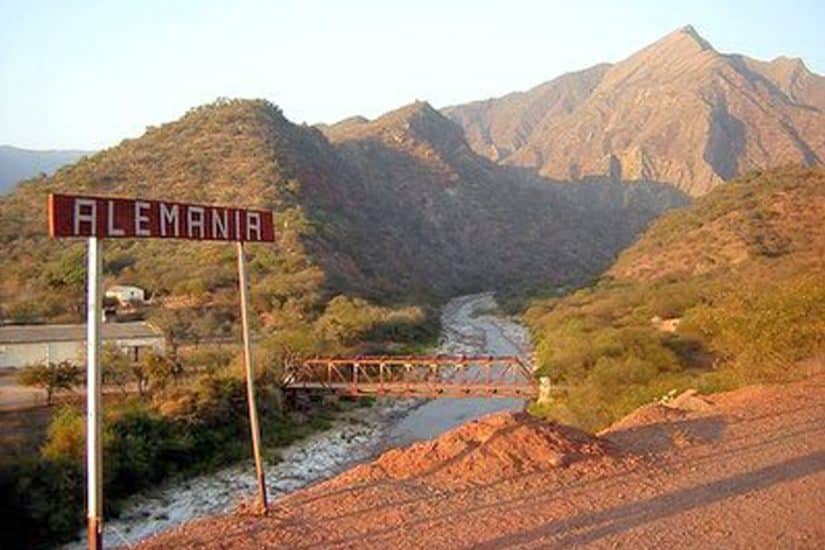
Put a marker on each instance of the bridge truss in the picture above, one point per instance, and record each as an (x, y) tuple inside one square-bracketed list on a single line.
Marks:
[(415, 376)]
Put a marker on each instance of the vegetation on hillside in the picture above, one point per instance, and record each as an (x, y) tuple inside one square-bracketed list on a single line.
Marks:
[(725, 292), (227, 153), (191, 429)]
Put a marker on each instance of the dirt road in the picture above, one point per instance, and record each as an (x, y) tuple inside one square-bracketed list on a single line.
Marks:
[(739, 470)]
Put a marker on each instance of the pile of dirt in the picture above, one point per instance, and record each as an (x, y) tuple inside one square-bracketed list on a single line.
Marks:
[(751, 478), (685, 420), (492, 447), (645, 415)]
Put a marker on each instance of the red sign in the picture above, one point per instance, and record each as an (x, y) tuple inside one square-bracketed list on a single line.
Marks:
[(81, 216)]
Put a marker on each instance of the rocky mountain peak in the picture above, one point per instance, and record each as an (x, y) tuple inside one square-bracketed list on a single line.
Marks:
[(682, 43), (408, 114), (793, 65), (690, 32)]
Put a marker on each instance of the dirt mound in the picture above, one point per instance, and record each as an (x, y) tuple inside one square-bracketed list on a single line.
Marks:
[(688, 419), (492, 447), (645, 416)]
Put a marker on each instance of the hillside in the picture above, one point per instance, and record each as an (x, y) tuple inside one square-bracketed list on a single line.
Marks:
[(725, 292), (399, 209), (176, 161), (19, 164), (773, 218), (231, 152), (676, 112)]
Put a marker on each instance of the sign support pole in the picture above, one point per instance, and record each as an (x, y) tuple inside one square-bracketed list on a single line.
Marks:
[(250, 378), (94, 462)]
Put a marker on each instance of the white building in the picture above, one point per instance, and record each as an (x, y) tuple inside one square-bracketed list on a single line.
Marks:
[(126, 294), (22, 345)]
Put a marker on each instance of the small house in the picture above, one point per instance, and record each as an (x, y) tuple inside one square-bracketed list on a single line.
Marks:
[(126, 295)]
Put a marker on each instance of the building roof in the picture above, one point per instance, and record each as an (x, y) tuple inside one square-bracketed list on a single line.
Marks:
[(26, 334)]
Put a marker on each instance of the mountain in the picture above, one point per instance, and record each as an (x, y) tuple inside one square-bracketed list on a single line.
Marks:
[(725, 292), (457, 222), (395, 209), (19, 164), (676, 112)]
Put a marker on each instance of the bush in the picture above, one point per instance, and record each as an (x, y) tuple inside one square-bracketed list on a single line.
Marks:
[(192, 430), (66, 436), (762, 332), (43, 502)]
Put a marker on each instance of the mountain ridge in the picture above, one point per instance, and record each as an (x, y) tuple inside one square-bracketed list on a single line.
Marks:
[(676, 111), (17, 164)]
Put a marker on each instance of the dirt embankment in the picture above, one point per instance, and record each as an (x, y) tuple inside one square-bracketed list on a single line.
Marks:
[(742, 469), (493, 447)]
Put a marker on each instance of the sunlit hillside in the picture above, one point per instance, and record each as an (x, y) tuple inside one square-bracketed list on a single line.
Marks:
[(725, 292)]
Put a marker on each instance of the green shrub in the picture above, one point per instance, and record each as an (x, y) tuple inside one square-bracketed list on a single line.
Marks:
[(741, 271), (66, 436), (762, 331), (43, 500)]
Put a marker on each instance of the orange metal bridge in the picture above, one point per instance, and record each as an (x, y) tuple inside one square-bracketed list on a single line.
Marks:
[(415, 376)]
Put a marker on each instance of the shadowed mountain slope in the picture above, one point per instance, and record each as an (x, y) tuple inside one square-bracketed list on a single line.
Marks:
[(450, 215)]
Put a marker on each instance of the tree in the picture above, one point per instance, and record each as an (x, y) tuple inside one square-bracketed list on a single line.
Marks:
[(346, 319), (51, 377), (176, 326), (160, 370), (116, 367)]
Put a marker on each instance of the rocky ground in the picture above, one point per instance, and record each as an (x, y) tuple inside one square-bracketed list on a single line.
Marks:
[(743, 469)]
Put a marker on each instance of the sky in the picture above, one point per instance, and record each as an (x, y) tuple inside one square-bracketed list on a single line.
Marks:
[(86, 74)]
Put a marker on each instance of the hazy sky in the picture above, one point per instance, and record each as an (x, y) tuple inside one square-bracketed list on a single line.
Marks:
[(86, 74)]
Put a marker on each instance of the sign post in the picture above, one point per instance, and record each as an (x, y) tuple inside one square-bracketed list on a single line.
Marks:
[(250, 379), (94, 464), (98, 218)]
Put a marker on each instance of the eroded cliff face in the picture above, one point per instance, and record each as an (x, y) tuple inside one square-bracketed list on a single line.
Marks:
[(676, 112)]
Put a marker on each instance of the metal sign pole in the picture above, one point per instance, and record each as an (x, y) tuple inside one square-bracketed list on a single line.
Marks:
[(94, 463), (250, 378)]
